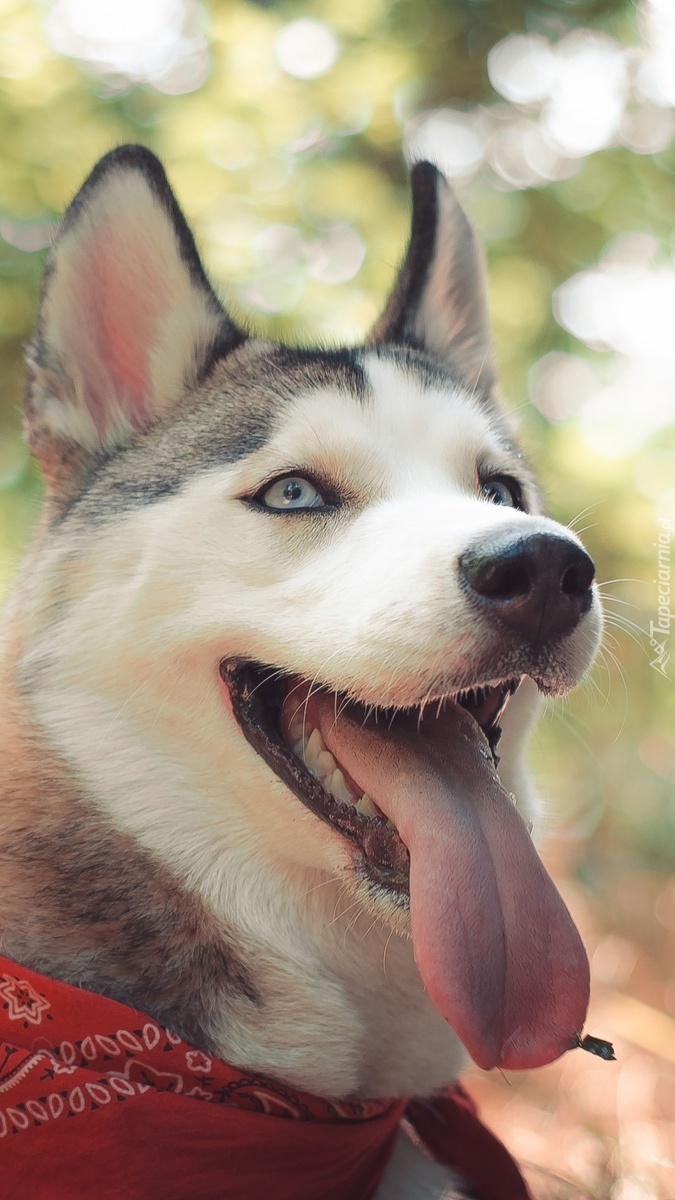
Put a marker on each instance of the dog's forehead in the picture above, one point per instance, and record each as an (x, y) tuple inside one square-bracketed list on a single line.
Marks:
[(408, 411), (269, 408)]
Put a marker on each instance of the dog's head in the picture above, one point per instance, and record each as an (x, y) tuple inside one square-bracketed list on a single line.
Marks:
[(285, 599)]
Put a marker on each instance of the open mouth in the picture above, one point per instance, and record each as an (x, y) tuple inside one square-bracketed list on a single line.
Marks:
[(278, 715), (415, 792)]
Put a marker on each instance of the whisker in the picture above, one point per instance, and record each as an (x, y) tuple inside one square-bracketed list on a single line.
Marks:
[(592, 690), (480, 370), (626, 579), (371, 926), (159, 712), (323, 883), (122, 708), (570, 725), (585, 528), (589, 508), (615, 599), (630, 628), (344, 912), (384, 955), (624, 680)]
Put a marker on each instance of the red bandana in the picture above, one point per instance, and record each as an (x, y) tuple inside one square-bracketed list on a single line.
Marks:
[(97, 1099)]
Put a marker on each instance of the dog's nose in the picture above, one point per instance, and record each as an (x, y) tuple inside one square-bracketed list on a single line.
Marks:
[(538, 585)]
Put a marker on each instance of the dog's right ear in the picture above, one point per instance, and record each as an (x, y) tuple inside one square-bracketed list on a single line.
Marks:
[(438, 303), (128, 320)]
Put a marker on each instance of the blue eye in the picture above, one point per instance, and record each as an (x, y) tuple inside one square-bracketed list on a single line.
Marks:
[(291, 492), (502, 490)]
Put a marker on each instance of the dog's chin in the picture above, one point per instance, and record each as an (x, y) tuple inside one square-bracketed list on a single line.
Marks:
[(275, 712)]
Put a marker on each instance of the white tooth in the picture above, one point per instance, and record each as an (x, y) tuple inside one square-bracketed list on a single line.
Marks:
[(328, 784), (297, 727), (313, 748), (315, 743), (338, 787), (325, 764), (390, 825), (299, 748), (366, 807)]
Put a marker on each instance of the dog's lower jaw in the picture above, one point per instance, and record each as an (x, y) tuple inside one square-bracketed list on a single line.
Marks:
[(343, 1012)]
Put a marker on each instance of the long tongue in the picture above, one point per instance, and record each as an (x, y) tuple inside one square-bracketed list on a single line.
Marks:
[(495, 945)]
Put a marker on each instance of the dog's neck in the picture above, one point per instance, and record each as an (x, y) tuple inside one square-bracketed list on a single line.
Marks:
[(293, 980)]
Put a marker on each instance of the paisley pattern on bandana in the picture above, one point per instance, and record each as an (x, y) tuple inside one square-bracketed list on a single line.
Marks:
[(69, 1057), (122, 1063)]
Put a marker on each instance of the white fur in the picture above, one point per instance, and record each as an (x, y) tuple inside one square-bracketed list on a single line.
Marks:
[(367, 601), (413, 1175)]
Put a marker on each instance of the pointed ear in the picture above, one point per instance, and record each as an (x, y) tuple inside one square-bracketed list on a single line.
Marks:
[(128, 319), (438, 302)]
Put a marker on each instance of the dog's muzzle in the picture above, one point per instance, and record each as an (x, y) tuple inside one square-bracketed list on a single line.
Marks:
[(538, 586)]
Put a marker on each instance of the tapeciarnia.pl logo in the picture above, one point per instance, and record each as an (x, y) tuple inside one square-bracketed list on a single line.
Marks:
[(660, 629)]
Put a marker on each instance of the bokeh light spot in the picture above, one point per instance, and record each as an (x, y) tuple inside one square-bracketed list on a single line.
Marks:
[(306, 48), (156, 41), (521, 68), (560, 383), (454, 141)]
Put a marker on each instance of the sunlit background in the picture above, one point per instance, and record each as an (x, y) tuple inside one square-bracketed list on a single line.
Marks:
[(285, 128)]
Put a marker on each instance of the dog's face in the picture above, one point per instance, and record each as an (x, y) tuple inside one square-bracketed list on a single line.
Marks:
[(286, 599)]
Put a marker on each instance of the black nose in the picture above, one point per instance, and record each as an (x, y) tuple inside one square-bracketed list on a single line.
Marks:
[(538, 585)]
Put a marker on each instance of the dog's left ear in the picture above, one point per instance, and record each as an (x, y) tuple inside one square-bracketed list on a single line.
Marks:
[(128, 319), (438, 303)]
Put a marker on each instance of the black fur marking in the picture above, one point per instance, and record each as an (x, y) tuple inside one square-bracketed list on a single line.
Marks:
[(228, 339), (338, 367), (427, 372), (135, 493), (159, 466), (438, 301), (230, 421), (424, 181)]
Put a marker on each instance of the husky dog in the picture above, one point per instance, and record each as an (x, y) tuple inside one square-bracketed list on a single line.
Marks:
[(280, 606)]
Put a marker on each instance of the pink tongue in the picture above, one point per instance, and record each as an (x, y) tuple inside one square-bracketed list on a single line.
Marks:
[(496, 947)]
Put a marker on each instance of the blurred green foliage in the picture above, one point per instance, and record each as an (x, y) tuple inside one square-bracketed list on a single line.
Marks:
[(254, 146)]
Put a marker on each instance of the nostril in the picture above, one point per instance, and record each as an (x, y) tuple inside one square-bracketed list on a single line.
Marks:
[(577, 578), (504, 581), (499, 573)]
